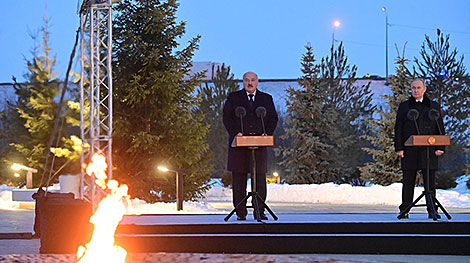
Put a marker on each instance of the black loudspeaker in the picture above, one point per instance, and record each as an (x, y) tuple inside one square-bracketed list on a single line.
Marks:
[(63, 223)]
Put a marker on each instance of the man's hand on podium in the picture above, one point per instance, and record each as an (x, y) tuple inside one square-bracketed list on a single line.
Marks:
[(239, 134), (439, 152)]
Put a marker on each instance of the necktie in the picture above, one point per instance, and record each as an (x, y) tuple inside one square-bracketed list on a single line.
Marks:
[(251, 99)]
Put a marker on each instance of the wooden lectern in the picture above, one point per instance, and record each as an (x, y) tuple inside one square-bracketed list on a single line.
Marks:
[(253, 143), (427, 141)]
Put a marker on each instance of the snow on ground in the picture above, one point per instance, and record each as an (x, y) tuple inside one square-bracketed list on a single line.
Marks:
[(328, 193)]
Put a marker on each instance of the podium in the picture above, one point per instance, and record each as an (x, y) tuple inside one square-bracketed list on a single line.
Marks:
[(427, 141), (253, 143)]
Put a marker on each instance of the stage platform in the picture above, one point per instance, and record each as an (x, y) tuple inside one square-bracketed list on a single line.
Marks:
[(297, 234)]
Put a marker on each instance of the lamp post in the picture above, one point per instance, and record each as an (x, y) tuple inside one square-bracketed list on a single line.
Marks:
[(179, 186), (278, 178), (336, 24), (29, 173), (386, 41)]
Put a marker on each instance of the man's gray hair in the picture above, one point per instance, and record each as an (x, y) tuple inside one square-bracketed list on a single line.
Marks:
[(418, 79), (249, 72)]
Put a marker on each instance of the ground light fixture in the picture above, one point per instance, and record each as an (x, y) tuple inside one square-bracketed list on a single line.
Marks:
[(29, 173), (179, 185)]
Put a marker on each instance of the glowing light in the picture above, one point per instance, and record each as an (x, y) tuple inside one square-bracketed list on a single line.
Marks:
[(275, 174), (16, 167), (102, 246), (163, 168), (337, 23), (16, 175)]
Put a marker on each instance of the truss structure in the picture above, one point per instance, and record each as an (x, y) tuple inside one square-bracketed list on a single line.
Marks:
[(96, 89)]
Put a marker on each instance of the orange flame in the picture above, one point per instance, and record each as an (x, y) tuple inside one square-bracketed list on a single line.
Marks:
[(102, 247)]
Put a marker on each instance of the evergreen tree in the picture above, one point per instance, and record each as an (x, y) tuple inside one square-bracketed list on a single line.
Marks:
[(213, 99), (12, 130), (386, 167), (156, 114), (349, 105), (324, 121), (308, 159), (449, 84), (35, 109)]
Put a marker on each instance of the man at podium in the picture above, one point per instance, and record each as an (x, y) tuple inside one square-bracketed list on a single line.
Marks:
[(417, 116), (241, 116)]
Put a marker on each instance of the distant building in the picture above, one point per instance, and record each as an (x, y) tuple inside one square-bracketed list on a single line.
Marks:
[(7, 93), (277, 88), (208, 66)]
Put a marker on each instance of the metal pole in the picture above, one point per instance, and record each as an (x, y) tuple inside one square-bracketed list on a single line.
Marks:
[(386, 45), (179, 191), (333, 39), (29, 180)]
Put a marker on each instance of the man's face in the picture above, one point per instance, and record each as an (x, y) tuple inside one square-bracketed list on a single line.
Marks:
[(250, 82), (418, 89)]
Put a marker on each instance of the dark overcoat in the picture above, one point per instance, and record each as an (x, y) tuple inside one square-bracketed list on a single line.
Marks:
[(239, 158), (415, 157)]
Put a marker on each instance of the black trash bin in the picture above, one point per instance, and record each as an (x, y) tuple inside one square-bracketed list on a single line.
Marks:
[(63, 223)]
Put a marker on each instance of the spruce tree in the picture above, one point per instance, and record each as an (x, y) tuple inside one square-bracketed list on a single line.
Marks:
[(448, 83), (324, 121), (36, 108), (156, 112), (307, 160), (213, 99), (386, 167), (12, 131), (349, 105)]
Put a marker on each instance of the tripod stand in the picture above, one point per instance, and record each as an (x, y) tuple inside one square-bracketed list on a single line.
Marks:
[(431, 200), (256, 199)]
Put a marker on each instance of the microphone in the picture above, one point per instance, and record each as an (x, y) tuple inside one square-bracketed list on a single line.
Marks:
[(434, 115), (240, 112), (261, 113), (413, 115)]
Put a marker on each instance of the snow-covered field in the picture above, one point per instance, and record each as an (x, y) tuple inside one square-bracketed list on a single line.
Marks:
[(328, 193)]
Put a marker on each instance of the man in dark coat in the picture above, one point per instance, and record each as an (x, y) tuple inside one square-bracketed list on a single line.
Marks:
[(414, 158), (239, 159)]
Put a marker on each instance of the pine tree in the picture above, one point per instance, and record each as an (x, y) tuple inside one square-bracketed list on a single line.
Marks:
[(449, 84), (213, 98), (324, 121), (386, 167), (156, 112)]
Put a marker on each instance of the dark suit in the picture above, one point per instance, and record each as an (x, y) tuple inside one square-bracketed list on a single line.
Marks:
[(415, 157), (239, 161)]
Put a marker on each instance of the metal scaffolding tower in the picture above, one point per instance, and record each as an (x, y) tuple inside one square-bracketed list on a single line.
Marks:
[(96, 89)]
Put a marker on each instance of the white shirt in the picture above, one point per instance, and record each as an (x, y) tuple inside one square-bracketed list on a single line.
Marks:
[(254, 95)]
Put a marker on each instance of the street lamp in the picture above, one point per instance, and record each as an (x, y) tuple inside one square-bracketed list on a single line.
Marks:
[(278, 178), (179, 186), (336, 24), (29, 174), (386, 41)]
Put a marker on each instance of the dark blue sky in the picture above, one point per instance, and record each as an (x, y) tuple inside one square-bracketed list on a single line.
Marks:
[(266, 36)]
